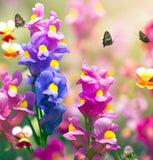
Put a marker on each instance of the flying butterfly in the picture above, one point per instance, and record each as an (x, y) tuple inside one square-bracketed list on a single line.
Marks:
[(19, 21), (143, 37), (107, 40)]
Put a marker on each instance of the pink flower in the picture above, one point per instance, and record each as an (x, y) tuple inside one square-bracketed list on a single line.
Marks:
[(132, 110), (10, 100), (83, 16), (105, 134), (128, 68), (144, 132), (76, 134), (37, 15)]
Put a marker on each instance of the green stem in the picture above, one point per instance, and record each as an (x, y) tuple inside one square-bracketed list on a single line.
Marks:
[(39, 115), (87, 130), (30, 150), (37, 138)]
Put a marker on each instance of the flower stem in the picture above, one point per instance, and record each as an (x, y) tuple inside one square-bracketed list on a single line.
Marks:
[(87, 131), (39, 114)]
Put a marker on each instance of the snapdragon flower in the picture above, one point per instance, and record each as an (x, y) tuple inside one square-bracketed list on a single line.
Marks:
[(6, 30), (95, 84), (145, 76), (53, 84), (10, 100), (40, 56)]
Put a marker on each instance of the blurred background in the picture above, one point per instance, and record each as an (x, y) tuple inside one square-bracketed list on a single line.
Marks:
[(124, 20)]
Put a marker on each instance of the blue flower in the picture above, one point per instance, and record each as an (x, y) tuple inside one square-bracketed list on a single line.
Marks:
[(52, 84), (52, 119)]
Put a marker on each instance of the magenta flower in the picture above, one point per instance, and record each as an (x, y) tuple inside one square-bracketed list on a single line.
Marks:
[(53, 150), (105, 134), (144, 132), (95, 85)]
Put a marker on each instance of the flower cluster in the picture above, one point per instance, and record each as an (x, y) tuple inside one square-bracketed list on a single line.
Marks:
[(13, 107), (98, 114), (42, 55), (6, 30)]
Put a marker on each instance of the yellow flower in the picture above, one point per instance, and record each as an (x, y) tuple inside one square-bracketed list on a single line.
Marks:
[(145, 75)]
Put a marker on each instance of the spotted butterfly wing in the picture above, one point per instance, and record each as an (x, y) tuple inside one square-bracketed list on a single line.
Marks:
[(143, 37), (19, 22), (107, 40)]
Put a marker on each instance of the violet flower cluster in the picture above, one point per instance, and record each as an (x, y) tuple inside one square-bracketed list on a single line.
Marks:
[(98, 137), (13, 107), (42, 55)]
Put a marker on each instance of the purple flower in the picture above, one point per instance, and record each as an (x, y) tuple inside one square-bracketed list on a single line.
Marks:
[(53, 84), (104, 133), (76, 133), (42, 54), (52, 119)]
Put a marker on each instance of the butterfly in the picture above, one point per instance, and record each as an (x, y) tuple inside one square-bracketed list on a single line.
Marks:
[(19, 21), (143, 37), (107, 40)]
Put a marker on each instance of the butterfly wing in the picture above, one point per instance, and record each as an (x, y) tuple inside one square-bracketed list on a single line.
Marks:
[(143, 37), (107, 40), (19, 22)]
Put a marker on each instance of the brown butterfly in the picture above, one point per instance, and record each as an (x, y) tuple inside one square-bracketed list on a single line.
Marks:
[(143, 37), (107, 40), (19, 22)]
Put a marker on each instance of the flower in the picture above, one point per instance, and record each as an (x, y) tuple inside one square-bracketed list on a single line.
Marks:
[(54, 150), (144, 132), (52, 119), (39, 56), (10, 100), (11, 50), (37, 15), (95, 85), (51, 83), (132, 110), (83, 16), (105, 134), (145, 75), (22, 134), (128, 68), (76, 134), (6, 30)]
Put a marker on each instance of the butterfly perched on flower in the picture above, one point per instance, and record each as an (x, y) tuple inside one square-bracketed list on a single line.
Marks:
[(143, 37), (19, 21), (107, 40)]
